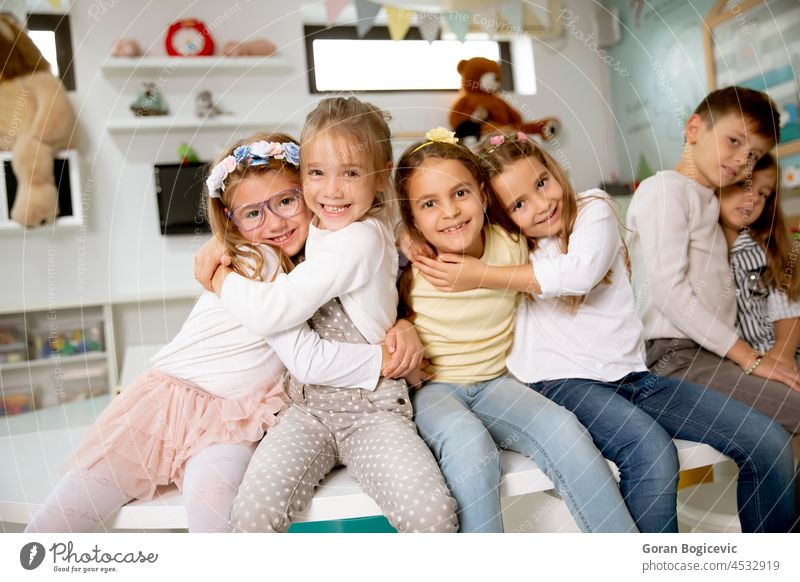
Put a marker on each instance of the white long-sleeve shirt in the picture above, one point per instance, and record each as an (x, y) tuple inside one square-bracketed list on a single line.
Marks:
[(679, 258), (358, 264), (223, 357), (602, 340)]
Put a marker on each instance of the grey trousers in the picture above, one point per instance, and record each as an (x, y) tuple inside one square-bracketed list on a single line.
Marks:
[(684, 359), (369, 432)]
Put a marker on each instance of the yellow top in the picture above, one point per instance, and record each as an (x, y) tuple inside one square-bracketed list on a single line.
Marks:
[(467, 335)]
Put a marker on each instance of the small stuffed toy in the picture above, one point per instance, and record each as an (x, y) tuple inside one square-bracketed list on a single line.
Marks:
[(127, 47), (36, 120), (259, 47), (479, 108)]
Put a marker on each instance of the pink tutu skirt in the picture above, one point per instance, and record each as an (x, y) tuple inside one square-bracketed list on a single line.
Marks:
[(144, 438)]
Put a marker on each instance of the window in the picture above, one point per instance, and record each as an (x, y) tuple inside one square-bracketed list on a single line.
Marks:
[(338, 60), (52, 34)]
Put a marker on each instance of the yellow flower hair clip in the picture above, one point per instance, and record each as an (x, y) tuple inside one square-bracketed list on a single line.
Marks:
[(438, 135)]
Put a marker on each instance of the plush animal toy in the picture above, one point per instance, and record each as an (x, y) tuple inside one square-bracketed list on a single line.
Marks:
[(479, 108), (36, 120)]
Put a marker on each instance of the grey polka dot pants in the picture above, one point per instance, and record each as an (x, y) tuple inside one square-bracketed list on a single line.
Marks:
[(369, 432)]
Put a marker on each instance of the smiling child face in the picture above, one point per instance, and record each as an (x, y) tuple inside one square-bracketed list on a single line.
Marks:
[(532, 197), (447, 206)]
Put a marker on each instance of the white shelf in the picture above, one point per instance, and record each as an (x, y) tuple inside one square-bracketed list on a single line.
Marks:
[(63, 360), (170, 123), (192, 65)]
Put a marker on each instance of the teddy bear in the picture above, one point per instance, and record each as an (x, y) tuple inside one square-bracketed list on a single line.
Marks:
[(36, 120), (479, 108)]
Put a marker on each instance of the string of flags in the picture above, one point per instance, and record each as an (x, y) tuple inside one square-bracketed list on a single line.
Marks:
[(509, 17)]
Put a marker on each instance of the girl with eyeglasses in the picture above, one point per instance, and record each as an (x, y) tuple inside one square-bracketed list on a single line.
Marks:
[(347, 286), (195, 417), (767, 286)]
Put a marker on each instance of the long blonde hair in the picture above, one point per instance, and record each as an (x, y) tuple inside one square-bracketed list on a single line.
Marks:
[(367, 127), (497, 158), (246, 258)]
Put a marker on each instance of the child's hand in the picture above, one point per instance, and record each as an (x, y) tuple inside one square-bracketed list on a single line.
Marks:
[(421, 375), (219, 278), (785, 358), (451, 272), (207, 259), (402, 341), (773, 369), (409, 247)]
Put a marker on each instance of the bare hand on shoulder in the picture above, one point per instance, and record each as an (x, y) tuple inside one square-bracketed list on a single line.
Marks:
[(207, 259), (409, 247), (452, 272)]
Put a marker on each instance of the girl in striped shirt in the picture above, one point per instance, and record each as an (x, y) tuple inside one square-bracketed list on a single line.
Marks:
[(761, 249)]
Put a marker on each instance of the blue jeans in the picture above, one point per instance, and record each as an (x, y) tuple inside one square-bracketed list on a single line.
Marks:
[(463, 426), (634, 420)]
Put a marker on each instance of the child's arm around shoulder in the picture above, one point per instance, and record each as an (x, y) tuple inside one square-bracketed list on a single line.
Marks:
[(451, 272), (591, 250), (344, 262), (593, 245)]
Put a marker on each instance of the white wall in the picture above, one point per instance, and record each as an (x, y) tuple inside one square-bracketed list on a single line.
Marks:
[(121, 252)]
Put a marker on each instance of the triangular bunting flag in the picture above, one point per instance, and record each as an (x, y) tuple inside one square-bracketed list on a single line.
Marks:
[(429, 24), (365, 14), (512, 13), (533, 16), (458, 21), (399, 22), (333, 8)]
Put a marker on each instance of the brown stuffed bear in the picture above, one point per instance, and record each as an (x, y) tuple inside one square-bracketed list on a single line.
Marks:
[(480, 109), (36, 120)]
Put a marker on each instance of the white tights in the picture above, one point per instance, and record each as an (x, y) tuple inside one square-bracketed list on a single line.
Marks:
[(83, 500)]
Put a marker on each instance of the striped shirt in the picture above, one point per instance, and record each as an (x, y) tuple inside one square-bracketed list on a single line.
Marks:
[(758, 305)]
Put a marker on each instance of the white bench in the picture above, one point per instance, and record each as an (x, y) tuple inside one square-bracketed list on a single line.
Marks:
[(31, 461)]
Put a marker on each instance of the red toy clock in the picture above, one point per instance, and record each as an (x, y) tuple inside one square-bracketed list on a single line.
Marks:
[(189, 38)]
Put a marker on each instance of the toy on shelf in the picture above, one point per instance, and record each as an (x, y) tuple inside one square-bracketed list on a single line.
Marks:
[(259, 47), (204, 105), (149, 102), (187, 155), (189, 38), (69, 340), (13, 345), (16, 401), (36, 120), (127, 47), (479, 108)]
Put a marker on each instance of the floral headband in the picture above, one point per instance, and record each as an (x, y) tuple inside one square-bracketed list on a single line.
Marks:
[(437, 135), (257, 153), (497, 140)]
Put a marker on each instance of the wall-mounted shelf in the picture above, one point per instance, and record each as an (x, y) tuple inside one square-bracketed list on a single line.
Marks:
[(192, 65), (62, 361), (169, 123)]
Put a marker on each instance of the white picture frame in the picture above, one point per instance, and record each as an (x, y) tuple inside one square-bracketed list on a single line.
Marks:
[(74, 220)]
